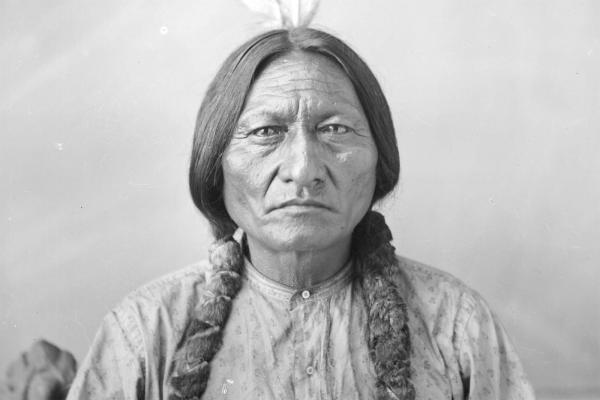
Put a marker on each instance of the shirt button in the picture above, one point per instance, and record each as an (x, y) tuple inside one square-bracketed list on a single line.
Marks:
[(310, 370), (305, 294)]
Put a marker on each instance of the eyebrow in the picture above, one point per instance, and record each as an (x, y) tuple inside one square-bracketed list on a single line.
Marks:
[(288, 109)]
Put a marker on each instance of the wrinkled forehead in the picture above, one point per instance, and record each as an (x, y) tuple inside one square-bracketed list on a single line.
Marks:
[(302, 61), (302, 74)]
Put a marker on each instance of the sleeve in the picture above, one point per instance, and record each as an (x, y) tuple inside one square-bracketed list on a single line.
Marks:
[(490, 367), (113, 367)]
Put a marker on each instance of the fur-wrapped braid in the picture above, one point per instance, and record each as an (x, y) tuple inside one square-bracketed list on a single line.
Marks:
[(387, 338), (203, 336)]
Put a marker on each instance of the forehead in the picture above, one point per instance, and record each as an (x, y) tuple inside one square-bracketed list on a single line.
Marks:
[(302, 74)]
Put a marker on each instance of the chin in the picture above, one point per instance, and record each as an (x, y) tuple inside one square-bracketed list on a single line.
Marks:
[(302, 237)]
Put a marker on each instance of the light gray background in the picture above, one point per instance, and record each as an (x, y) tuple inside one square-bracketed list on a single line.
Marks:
[(497, 112)]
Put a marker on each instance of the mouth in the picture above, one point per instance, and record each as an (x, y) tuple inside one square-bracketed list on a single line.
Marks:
[(301, 204)]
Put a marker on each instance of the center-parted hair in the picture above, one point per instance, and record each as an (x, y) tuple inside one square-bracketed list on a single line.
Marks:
[(224, 102)]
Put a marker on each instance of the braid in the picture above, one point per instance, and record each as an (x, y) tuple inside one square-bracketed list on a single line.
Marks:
[(204, 334), (388, 336)]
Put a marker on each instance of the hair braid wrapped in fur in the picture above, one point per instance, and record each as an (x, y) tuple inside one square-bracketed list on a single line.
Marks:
[(203, 336), (388, 336)]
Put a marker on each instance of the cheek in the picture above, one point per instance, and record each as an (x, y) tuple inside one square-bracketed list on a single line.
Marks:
[(357, 169), (243, 180)]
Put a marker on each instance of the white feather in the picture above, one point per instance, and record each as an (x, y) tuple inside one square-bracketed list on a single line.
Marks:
[(284, 13), (268, 9)]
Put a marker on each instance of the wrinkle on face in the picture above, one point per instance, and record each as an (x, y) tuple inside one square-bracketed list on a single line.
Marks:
[(301, 89), (303, 94)]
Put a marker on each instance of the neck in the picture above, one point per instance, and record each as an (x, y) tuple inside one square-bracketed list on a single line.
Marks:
[(299, 269)]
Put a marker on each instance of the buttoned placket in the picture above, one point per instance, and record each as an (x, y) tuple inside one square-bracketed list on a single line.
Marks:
[(310, 322), (307, 344)]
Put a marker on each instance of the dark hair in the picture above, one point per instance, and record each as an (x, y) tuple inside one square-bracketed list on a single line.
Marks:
[(226, 95)]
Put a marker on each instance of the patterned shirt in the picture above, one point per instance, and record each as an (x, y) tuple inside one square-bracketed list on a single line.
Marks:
[(283, 343)]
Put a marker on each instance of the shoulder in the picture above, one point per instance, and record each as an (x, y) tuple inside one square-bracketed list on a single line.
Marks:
[(164, 305), (137, 338), (421, 277), (169, 288), (437, 296)]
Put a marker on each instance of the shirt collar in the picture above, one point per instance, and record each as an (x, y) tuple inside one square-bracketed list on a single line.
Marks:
[(271, 288)]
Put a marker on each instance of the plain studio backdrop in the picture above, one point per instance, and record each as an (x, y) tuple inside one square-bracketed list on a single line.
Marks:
[(497, 111)]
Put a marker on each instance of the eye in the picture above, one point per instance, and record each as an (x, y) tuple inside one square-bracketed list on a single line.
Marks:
[(268, 131), (335, 129)]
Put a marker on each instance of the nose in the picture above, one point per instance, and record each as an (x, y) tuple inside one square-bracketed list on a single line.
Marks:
[(303, 161)]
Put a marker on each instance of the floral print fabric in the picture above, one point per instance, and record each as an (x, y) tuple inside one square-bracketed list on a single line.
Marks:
[(281, 343)]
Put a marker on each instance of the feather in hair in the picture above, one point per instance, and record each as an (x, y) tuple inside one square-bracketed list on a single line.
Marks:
[(284, 13)]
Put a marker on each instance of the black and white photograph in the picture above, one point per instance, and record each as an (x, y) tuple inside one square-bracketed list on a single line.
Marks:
[(299, 199)]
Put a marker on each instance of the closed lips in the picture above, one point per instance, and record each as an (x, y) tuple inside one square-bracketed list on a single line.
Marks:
[(301, 203)]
